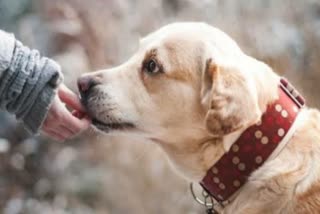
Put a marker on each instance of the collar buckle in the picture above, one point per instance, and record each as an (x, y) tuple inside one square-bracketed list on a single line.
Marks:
[(211, 205)]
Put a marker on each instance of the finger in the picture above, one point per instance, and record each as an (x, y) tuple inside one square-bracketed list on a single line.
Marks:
[(70, 98), (59, 130), (56, 136), (70, 132), (67, 120), (75, 124), (64, 131)]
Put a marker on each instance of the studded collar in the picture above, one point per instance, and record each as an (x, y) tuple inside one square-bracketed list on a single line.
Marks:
[(254, 146)]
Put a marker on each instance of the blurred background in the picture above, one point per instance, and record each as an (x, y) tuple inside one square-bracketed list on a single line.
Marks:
[(99, 174)]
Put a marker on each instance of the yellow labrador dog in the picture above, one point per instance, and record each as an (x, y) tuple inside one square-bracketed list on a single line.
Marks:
[(224, 119)]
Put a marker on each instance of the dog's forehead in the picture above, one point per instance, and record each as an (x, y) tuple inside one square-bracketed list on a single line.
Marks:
[(173, 32), (189, 32)]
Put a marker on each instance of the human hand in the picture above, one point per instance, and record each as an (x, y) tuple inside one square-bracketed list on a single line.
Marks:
[(60, 123)]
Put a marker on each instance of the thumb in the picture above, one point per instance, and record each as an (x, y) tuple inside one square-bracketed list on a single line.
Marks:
[(70, 98)]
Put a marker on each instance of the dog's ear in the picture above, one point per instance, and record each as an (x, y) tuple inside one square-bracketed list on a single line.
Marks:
[(230, 101)]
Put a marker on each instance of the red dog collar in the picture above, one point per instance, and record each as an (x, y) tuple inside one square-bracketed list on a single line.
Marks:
[(254, 146)]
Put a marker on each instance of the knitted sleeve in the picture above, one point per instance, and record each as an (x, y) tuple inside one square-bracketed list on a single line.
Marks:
[(27, 82)]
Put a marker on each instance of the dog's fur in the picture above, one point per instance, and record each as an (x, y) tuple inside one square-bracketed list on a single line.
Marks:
[(204, 94)]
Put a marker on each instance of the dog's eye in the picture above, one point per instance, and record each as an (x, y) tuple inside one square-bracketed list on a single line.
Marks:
[(151, 67)]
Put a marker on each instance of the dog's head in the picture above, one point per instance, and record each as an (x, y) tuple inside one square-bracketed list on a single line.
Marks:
[(186, 81)]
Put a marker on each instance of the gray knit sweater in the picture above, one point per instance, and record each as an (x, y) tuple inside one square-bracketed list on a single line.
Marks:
[(27, 82)]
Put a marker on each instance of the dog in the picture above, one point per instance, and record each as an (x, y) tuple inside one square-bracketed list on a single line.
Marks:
[(193, 91)]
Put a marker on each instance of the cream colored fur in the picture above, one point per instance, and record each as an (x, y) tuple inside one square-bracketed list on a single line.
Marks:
[(208, 92)]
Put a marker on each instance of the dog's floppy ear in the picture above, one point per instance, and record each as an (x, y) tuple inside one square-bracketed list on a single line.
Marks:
[(230, 101)]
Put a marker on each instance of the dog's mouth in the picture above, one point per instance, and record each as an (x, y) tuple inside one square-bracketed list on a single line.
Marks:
[(105, 126), (108, 127)]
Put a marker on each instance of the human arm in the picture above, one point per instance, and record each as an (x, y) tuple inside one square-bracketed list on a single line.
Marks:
[(28, 87)]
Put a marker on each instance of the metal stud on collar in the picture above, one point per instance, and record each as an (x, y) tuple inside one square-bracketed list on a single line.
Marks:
[(292, 92), (208, 202)]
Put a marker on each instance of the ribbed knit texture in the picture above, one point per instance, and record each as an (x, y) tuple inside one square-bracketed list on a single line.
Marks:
[(27, 86)]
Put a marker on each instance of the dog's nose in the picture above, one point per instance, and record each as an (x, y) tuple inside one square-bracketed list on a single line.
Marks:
[(85, 83)]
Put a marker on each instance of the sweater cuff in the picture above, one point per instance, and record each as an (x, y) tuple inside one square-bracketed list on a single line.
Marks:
[(35, 118)]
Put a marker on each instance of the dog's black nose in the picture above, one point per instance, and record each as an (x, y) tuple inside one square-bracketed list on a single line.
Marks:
[(85, 83)]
